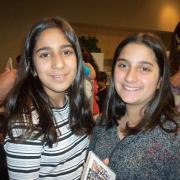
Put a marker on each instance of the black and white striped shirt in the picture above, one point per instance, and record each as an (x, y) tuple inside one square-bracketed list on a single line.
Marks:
[(33, 160)]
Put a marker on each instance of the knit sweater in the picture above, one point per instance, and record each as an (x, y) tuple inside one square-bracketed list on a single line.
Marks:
[(150, 155)]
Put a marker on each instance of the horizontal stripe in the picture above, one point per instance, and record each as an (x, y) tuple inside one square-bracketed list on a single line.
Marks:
[(23, 171), (33, 160)]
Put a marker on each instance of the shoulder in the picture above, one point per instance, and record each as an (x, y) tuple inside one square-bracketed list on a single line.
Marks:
[(102, 130), (103, 140), (164, 141)]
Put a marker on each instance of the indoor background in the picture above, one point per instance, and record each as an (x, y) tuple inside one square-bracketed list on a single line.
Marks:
[(108, 20)]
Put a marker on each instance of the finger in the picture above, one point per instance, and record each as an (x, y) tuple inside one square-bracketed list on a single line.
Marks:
[(106, 161)]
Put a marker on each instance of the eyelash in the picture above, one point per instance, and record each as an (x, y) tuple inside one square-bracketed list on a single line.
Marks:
[(122, 66), (44, 55), (142, 68), (68, 52), (64, 52), (145, 69)]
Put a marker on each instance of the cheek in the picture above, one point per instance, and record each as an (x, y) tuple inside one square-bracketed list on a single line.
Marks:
[(40, 67), (118, 79), (118, 76), (73, 67), (151, 83)]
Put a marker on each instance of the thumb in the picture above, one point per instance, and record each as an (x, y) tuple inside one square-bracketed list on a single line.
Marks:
[(8, 66), (106, 161)]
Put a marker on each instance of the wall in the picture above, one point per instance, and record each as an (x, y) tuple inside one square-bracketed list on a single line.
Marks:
[(121, 17), (109, 37)]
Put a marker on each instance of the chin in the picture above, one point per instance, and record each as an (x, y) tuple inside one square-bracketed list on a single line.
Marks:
[(129, 101)]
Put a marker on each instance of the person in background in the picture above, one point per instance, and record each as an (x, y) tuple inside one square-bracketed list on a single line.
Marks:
[(102, 89), (89, 71), (138, 135), (7, 79), (90, 75), (90, 62), (47, 113), (174, 58)]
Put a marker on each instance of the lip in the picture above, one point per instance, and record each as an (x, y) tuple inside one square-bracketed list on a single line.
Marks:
[(129, 88), (58, 76)]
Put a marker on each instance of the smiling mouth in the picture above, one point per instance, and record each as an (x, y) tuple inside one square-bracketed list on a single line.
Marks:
[(127, 88), (58, 76)]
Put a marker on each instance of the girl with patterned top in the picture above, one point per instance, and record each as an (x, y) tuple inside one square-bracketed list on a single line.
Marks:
[(48, 115), (138, 134)]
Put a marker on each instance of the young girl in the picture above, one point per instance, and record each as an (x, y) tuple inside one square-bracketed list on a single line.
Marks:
[(139, 139), (48, 115)]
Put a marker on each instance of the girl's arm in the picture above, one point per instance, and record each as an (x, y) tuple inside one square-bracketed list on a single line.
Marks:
[(23, 160)]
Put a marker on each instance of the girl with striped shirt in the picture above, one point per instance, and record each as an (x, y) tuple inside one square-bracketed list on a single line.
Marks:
[(48, 114)]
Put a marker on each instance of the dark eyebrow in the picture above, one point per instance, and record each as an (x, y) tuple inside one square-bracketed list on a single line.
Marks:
[(146, 62), (41, 49), (121, 59), (49, 48), (66, 46), (141, 62)]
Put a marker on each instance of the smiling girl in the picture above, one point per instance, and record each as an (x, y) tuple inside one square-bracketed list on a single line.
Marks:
[(138, 135), (48, 115)]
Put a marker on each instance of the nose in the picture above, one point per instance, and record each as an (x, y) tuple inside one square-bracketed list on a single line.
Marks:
[(131, 75), (58, 61)]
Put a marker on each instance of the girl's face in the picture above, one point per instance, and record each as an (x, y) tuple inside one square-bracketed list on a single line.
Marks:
[(55, 61), (136, 74)]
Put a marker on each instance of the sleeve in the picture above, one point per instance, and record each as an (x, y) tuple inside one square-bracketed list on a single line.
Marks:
[(23, 160), (87, 70)]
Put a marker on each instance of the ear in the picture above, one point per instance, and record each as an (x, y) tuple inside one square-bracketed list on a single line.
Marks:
[(159, 83)]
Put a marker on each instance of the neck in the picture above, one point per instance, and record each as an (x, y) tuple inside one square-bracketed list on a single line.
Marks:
[(58, 101), (133, 115)]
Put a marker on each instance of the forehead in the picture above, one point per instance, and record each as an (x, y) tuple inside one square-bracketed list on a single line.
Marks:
[(137, 52), (51, 34)]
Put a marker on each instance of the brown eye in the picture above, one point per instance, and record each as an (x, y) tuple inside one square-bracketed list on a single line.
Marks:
[(145, 69), (68, 52), (44, 55), (122, 65)]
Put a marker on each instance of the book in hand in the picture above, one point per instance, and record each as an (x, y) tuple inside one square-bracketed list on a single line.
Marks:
[(95, 169)]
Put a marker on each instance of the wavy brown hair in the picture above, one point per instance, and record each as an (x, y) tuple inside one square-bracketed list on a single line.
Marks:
[(161, 108), (28, 92)]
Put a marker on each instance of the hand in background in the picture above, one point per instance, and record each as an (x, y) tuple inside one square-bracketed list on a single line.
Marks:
[(7, 79), (175, 79)]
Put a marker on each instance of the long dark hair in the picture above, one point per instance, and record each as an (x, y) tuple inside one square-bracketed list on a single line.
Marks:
[(174, 56), (28, 92), (161, 108), (88, 57)]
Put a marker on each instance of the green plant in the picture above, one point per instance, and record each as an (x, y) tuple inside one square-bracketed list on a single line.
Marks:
[(90, 43)]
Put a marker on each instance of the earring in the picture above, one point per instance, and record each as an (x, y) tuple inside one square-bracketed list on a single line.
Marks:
[(33, 72)]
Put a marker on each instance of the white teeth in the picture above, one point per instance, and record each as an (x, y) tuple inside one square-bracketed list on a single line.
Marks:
[(58, 76), (131, 88)]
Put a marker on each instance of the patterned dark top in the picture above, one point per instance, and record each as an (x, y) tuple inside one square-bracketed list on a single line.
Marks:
[(151, 155)]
